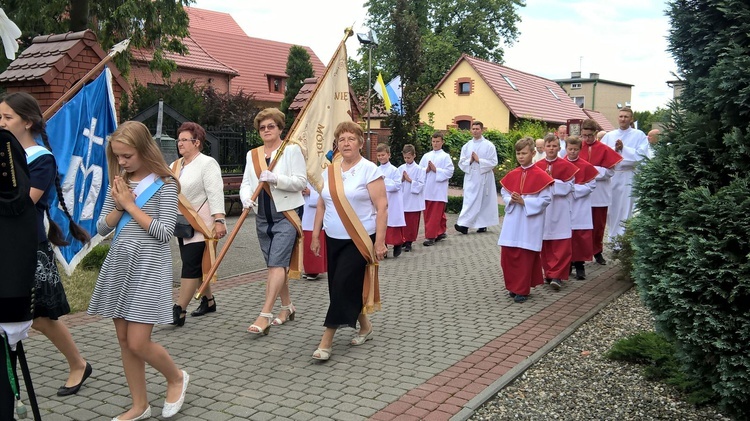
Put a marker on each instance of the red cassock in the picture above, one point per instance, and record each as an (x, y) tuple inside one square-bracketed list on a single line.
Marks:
[(600, 155), (522, 268), (435, 221), (411, 230), (314, 264), (582, 240), (557, 252), (394, 236)]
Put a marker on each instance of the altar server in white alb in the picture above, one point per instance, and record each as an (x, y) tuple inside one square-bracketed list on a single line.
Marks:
[(438, 168), (557, 249), (412, 189), (478, 159), (632, 145), (394, 234)]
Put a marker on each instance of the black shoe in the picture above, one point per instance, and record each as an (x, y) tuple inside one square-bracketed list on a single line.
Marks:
[(547, 280), (520, 298), (511, 294), (178, 315), (441, 237), (555, 284), (462, 230), (67, 391), (397, 251), (428, 242), (482, 229), (204, 308), (600, 259), (580, 271), (407, 246)]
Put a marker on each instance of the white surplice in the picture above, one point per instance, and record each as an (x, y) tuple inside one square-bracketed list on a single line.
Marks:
[(393, 194), (436, 183), (413, 192), (479, 208)]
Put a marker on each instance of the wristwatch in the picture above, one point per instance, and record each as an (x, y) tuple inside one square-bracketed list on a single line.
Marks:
[(221, 221)]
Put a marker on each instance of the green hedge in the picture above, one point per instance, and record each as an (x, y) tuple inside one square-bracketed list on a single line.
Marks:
[(95, 258), (691, 238)]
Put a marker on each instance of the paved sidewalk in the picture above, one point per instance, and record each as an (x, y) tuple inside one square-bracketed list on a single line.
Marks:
[(447, 338)]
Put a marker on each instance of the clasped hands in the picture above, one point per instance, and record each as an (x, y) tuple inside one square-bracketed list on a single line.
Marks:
[(121, 193)]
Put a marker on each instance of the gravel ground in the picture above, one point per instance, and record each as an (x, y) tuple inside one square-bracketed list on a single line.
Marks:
[(576, 382)]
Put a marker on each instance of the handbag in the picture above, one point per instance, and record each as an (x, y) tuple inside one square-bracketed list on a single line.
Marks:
[(182, 228)]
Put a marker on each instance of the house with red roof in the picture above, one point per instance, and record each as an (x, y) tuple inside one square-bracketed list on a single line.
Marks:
[(224, 56), (498, 96)]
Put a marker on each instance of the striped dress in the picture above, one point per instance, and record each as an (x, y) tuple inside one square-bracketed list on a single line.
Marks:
[(135, 282)]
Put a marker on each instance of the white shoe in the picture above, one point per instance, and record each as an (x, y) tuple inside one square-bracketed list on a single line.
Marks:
[(360, 339), (322, 354), (145, 415), (170, 409)]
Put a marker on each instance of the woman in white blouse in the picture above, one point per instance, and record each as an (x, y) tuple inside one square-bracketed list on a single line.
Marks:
[(202, 185), (364, 189)]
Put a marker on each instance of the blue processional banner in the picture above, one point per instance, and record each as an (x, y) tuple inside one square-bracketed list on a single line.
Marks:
[(78, 135)]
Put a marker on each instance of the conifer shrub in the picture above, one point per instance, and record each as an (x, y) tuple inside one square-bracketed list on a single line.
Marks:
[(691, 239)]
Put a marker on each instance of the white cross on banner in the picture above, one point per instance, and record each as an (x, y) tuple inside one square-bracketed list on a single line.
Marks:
[(77, 134)]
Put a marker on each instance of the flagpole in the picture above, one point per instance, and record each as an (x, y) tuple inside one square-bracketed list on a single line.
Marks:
[(116, 49), (207, 279)]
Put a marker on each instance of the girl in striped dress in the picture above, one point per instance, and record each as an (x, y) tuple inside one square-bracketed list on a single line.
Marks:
[(134, 287)]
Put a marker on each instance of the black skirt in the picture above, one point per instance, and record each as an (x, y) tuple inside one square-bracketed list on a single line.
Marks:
[(346, 278), (49, 296)]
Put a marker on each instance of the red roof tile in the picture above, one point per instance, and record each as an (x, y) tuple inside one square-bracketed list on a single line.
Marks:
[(253, 58), (197, 58), (600, 119), (529, 96)]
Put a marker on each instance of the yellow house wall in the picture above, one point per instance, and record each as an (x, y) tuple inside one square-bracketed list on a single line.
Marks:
[(606, 100), (482, 104)]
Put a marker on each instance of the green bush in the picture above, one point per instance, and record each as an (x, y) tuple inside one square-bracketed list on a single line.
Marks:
[(691, 239), (454, 204), (659, 357), (95, 258), (623, 246)]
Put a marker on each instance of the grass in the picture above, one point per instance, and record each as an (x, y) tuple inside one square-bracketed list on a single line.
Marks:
[(78, 287)]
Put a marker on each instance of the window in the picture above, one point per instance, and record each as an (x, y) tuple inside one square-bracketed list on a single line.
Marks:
[(507, 79), (276, 84), (553, 93), (464, 124), (463, 86), (575, 86), (580, 101)]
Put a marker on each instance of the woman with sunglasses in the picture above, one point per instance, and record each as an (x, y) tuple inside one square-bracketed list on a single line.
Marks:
[(278, 211)]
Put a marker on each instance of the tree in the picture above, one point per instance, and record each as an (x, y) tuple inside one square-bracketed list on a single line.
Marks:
[(409, 48), (298, 68), (646, 119), (152, 24), (690, 238), (446, 30)]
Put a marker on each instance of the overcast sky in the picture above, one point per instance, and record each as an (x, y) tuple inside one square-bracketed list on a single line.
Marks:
[(622, 41)]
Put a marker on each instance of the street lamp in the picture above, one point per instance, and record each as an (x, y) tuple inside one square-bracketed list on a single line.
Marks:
[(370, 40)]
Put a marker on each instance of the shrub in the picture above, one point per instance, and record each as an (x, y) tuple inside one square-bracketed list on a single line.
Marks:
[(454, 204), (623, 246), (659, 356), (95, 258), (691, 239)]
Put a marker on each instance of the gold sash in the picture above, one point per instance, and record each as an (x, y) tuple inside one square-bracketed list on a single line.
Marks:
[(358, 234), (295, 265), (187, 210)]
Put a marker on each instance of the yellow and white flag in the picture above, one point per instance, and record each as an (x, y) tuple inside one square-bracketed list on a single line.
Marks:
[(327, 107)]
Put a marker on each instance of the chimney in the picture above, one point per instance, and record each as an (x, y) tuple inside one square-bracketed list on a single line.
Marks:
[(594, 76), (575, 75)]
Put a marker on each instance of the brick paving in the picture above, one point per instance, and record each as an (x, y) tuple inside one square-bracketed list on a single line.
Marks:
[(447, 338)]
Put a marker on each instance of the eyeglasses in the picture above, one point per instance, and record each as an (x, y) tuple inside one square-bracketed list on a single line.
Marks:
[(186, 140), (269, 127)]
